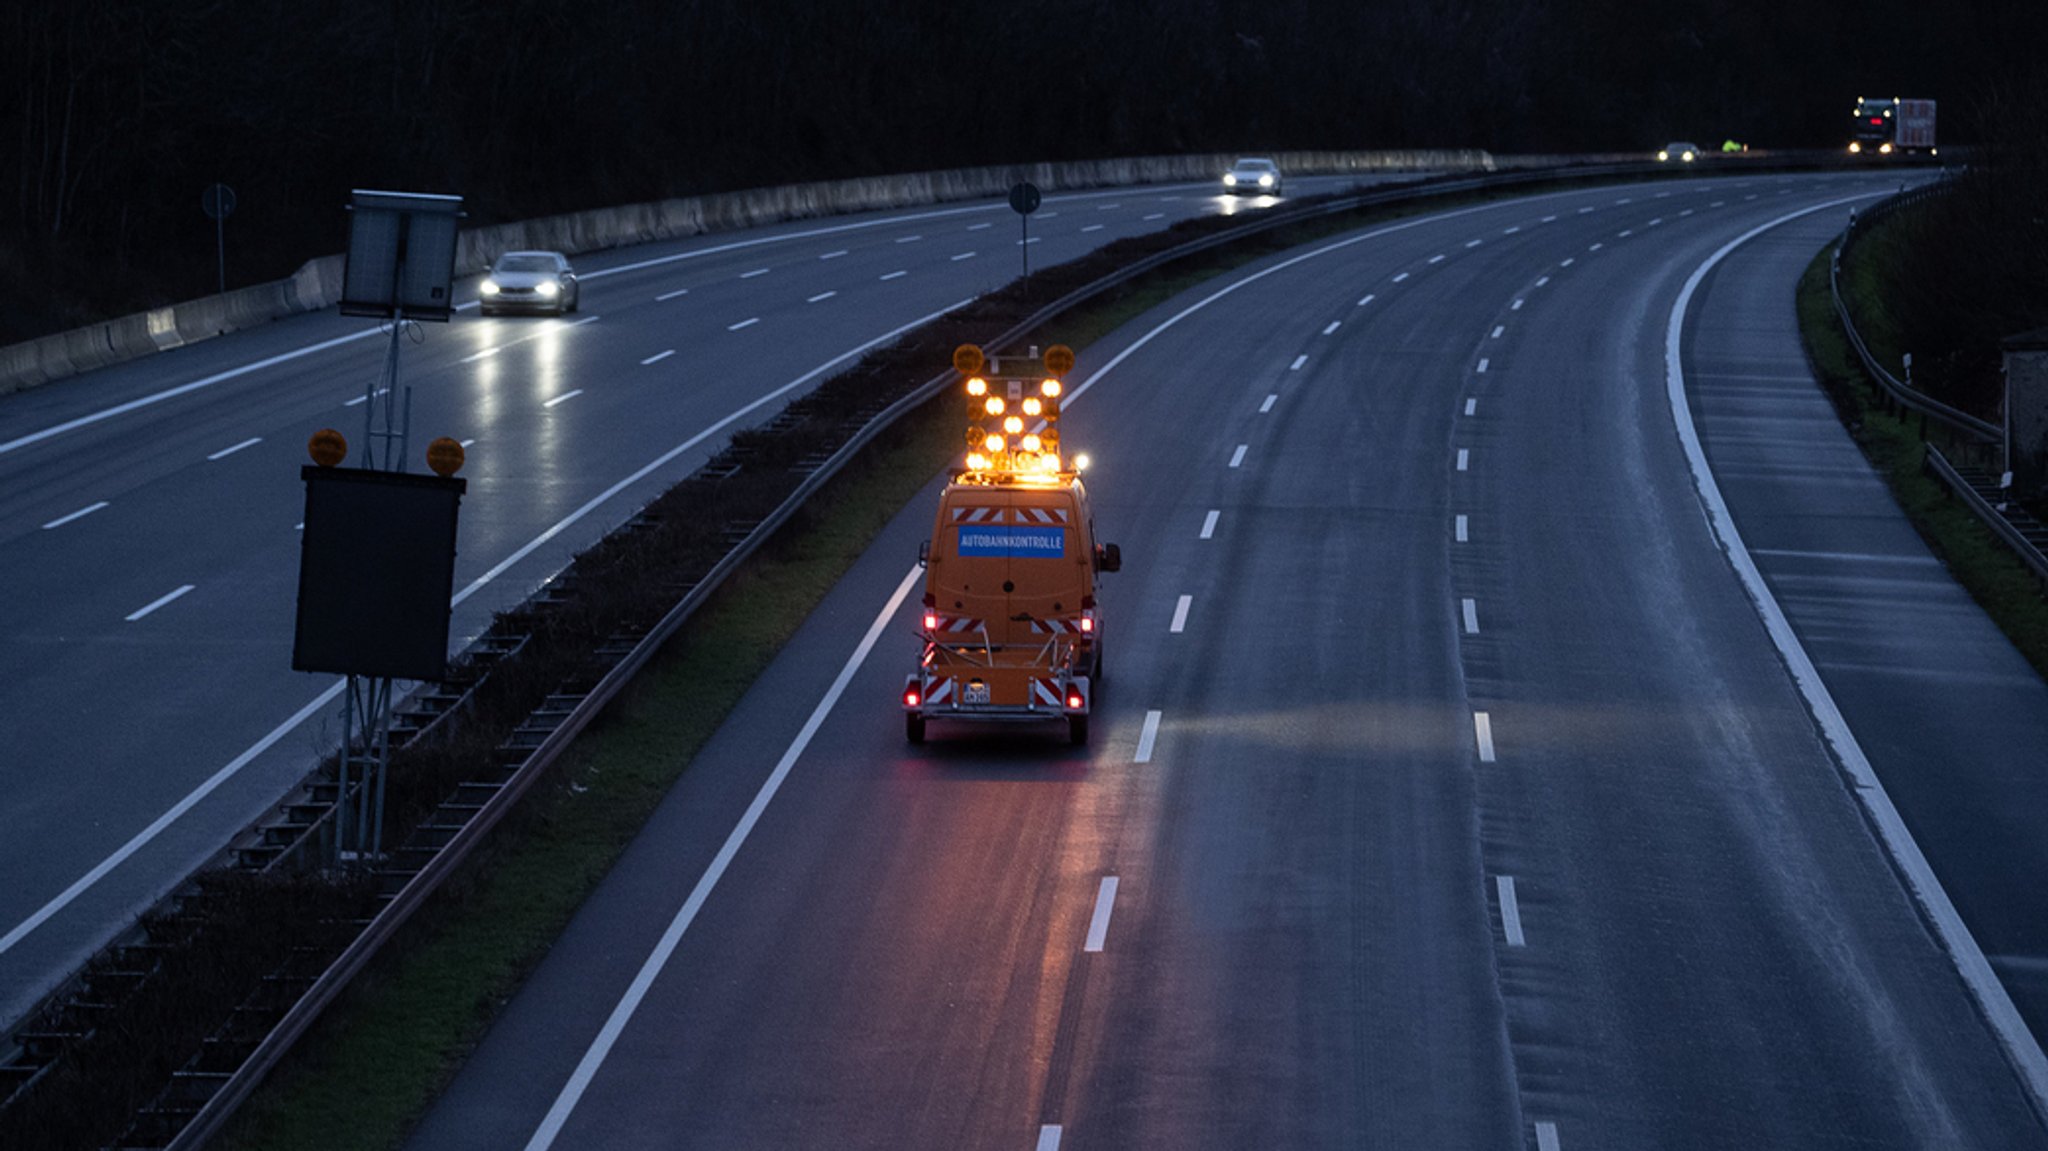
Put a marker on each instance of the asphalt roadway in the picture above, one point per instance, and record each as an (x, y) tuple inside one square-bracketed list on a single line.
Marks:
[(148, 511), (1510, 678)]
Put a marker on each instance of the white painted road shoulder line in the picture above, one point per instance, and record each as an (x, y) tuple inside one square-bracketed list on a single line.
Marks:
[(1209, 523), (251, 442), (622, 1013), (1147, 736), (157, 603), (1482, 729), (80, 514), (1180, 614), (1996, 1005), (563, 398), (657, 357), (1510, 910), (1237, 457), (1098, 924)]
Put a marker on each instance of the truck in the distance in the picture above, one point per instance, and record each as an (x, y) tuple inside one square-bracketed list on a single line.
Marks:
[(1892, 126), (1011, 627)]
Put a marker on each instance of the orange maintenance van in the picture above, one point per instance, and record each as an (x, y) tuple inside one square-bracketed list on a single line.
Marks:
[(1011, 628)]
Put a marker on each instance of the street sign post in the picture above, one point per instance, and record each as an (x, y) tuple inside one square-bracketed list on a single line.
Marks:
[(1024, 200), (218, 202)]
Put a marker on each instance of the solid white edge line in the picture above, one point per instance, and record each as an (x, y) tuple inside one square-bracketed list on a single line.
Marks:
[(1482, 729), (251, 442), (213, 782), (1049, 1138), (1510, 910), (80, 514), (1546, 1136), (622, 1013), (1180, 614), (1098, 924), (1209, 523), (138, 613), (1147, 736), (2021, 1047)]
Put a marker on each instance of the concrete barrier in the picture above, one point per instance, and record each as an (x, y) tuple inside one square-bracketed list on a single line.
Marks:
[(317, 283)]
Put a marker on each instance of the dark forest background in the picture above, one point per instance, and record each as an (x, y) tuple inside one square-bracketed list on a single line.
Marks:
[(118, 114)]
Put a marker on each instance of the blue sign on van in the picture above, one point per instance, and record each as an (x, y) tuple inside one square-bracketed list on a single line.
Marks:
[(1014, 541)]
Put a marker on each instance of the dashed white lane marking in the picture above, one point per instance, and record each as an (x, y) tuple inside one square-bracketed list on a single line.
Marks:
[(1566, 262), (752, 274), (1147, 736), (615, 1024), (1100, 208), (1596, 247), (1483, 361), (486, 354), (1751, 196), (833, 255), (667, 296), (360, 400), (1718, 204), (1473, 243), (1298, 362), (1625, 200), (1098, 924), (1237, 457), (1471, 616), (896, 275), (1516, 306), (963, 256), (657, 357), (1510, 910), (1654, 222), (161, 601), (1550, 219), (251, 442), (1049, 1137), (908, 239), (980, 226), (1663, 195), (80, 514), (465, 443), (1094, 227), (1497, 330), (1020, 243), (1156, 216), (1546, 1137), (1209, 523), (1435, 260), (1400, 276), (1542, 280), (1471, 406), (1366, 299), (1180, 614), (1482, 728), (1334, 325), (565, 396), (1271, 399), (1464, 458), (1583, 211), (1459, 530), (1687, 212), (1627, 232), (746, 323), (1509, 231), (821, 296)]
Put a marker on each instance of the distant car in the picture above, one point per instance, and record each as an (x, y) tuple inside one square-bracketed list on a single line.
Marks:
[(1678, 150), (1252, 175), (530, 282)]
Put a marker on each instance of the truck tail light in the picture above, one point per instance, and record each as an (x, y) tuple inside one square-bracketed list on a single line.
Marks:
[(911, 698), (1074, 701), (1087, 625), (931, 621)]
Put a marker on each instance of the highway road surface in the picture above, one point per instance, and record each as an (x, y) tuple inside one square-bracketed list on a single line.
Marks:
[(148, 511), (1527, 724)]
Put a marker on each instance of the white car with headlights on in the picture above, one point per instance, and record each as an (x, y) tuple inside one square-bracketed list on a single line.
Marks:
[(530, 282), (1252, 176)]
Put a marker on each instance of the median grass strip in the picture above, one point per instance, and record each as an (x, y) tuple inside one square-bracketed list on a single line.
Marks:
[(1896, 446), (373, 1065)]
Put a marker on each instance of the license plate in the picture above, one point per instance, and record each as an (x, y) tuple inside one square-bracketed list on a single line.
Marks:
[(977, 692)]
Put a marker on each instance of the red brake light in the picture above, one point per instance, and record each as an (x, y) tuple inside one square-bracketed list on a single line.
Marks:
[(910, 698), (1877, 119), (1087, 624), (1074, 701), (931, 621)]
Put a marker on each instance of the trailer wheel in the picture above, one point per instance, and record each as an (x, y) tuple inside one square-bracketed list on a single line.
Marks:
[(913, 728), (1077, 730)]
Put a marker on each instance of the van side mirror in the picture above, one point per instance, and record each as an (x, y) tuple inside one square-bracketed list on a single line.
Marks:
[(1109, 558), (924, 553)]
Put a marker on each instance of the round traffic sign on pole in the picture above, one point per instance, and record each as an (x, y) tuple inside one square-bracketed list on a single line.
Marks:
[(218, 201), (1024, 197)]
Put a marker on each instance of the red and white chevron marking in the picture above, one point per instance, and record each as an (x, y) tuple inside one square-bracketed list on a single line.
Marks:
[(1047, 692)]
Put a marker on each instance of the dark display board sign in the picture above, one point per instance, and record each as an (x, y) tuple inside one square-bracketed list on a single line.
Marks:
[(376, 571), (401, 255)]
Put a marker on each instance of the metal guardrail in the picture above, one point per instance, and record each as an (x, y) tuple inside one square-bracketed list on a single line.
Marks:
[(2015, 535), (1957, 420), (213, 1116)]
